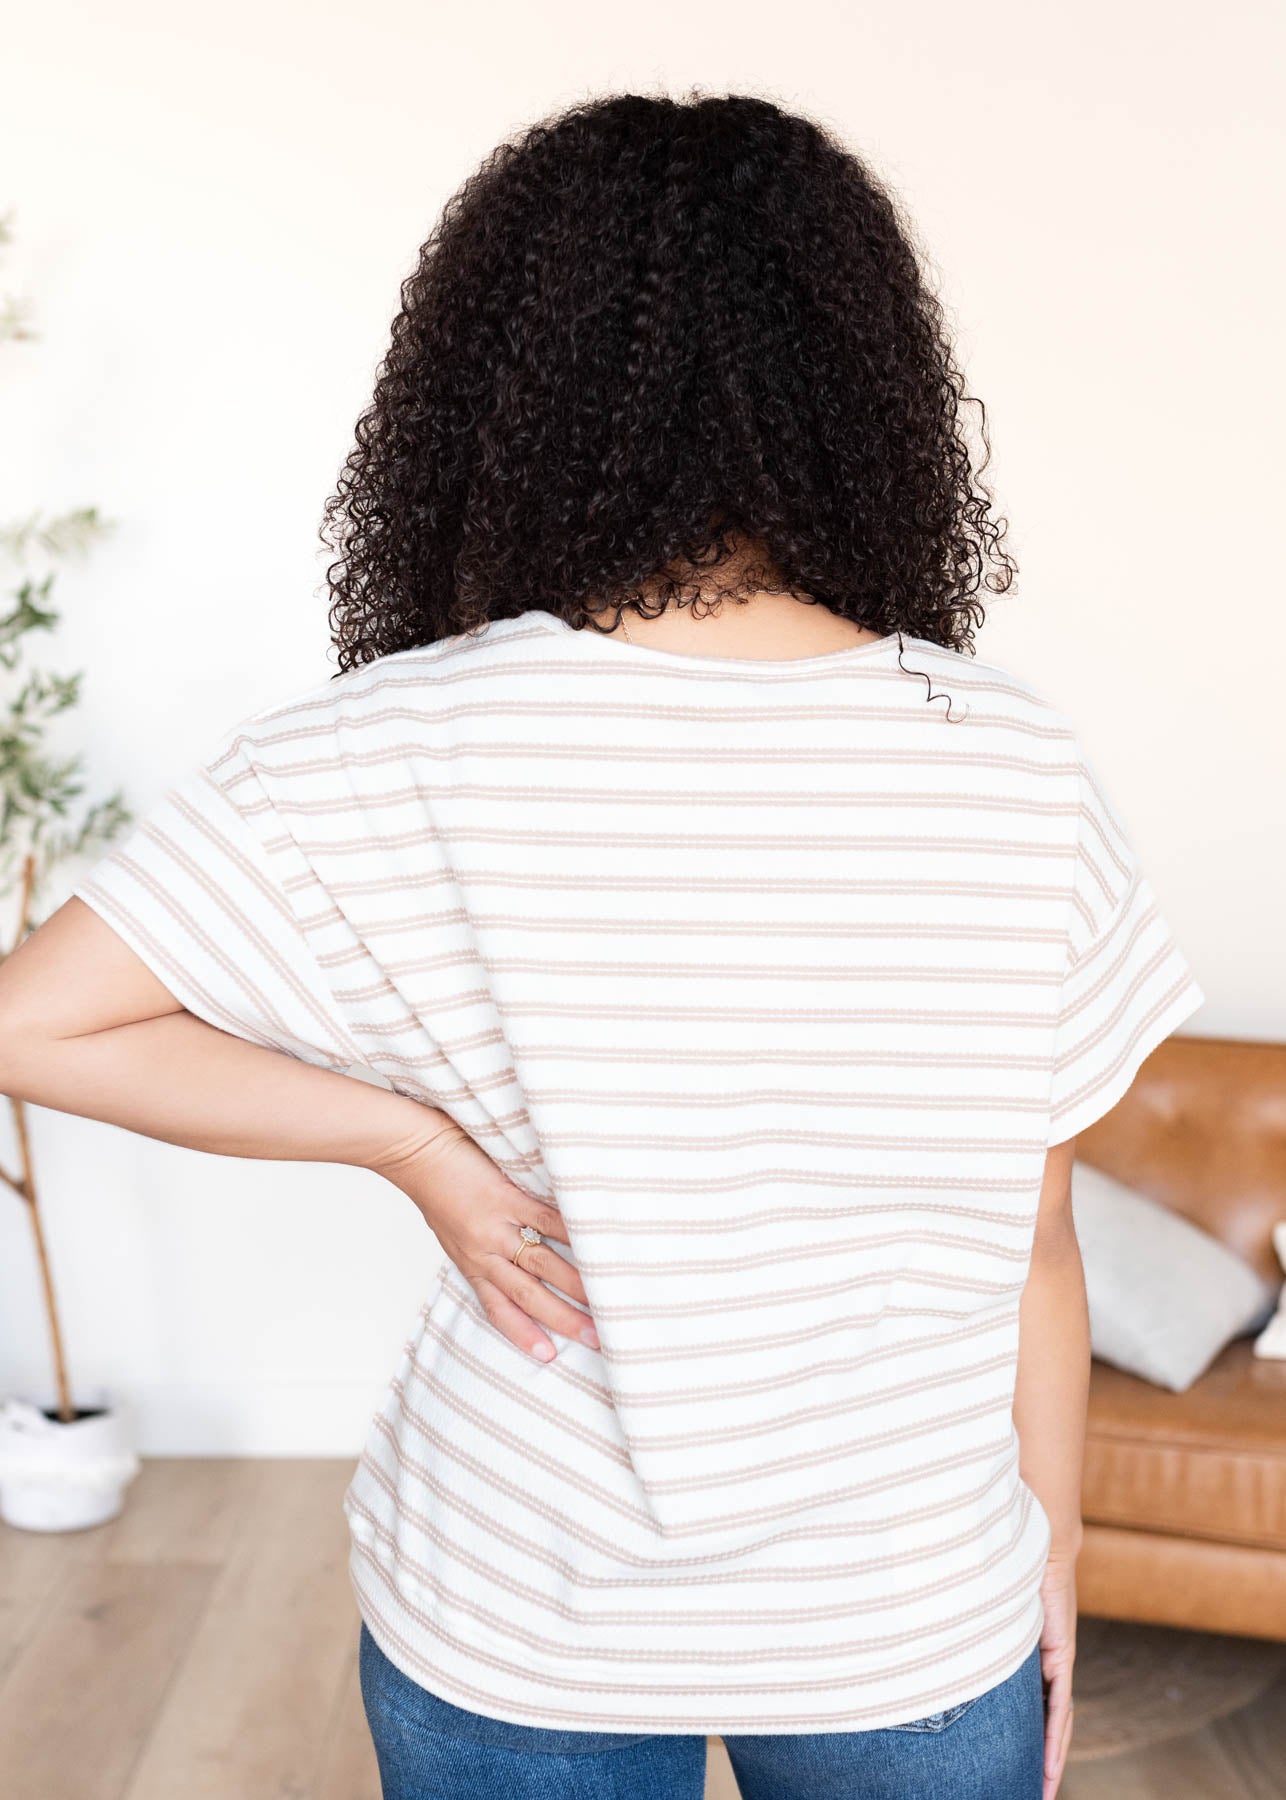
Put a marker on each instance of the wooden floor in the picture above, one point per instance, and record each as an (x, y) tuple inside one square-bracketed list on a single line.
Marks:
[(203, 1646)]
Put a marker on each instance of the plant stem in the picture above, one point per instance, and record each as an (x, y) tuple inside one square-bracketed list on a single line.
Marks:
[(26, 1186), (66, 1412)]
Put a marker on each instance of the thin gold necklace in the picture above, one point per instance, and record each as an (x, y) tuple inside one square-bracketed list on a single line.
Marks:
[(625, 628)]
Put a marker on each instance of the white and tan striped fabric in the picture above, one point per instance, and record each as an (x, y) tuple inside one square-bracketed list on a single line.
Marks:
[(781, 978)]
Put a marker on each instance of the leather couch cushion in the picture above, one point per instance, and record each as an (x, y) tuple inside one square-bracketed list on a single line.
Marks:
[(1183, 1581), (1207, 1463)]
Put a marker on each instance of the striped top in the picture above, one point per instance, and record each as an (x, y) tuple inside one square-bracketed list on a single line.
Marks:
[(780, 978)]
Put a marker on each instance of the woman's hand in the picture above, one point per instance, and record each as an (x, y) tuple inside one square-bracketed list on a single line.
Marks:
[(1057, 1655), (1051, 1396), (474, 1211)]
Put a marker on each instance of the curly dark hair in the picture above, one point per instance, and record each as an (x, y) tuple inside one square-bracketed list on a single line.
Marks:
[(644, 325)]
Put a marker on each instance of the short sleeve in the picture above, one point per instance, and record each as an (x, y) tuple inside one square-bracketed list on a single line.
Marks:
[(198, 888), (1126, 985)]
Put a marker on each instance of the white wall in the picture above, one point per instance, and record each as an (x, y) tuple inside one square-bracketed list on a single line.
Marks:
[(215, 209)]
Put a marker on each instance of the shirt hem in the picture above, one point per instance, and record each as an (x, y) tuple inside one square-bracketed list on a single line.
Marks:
[(402, 1654)]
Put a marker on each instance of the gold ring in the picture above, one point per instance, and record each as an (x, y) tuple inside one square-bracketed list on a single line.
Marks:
[(530, 1236)]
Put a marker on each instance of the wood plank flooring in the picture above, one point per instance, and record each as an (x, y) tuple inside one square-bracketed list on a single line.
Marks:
[(203, 1646)]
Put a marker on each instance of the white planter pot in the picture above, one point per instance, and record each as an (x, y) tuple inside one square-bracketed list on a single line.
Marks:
[(56, 1477)]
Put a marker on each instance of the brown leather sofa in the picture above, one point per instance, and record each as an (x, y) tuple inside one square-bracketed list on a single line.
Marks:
[(1185, 1494)]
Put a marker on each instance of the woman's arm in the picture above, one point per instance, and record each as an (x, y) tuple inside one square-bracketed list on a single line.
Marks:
[(1052, 1387), (87, 1028), (1050, 1400)]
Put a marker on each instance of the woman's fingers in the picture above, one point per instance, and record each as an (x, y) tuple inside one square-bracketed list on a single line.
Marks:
[(540, 1302), (1058, 1729), (548, 1265), (512, 1321), (515, 1296), (480, 1233), (545, 1264), (547, 1219)]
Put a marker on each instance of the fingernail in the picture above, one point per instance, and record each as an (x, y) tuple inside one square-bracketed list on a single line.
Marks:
[(589, 1336), (544, 1350)]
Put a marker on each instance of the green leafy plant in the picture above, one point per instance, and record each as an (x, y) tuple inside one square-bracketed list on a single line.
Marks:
[(44, 819)]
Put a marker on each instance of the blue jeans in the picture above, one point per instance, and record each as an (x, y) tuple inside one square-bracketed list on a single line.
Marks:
[(988, 1748)]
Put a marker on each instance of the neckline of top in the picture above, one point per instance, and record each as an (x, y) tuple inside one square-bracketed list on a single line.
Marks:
[(646, 652)]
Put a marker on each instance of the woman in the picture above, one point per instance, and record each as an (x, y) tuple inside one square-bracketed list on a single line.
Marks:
[(733, 959)]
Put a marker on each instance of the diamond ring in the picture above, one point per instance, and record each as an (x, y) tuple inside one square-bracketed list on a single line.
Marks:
[(529, 1236)]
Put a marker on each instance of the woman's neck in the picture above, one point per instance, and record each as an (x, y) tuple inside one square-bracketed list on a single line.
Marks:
[(769, 627)]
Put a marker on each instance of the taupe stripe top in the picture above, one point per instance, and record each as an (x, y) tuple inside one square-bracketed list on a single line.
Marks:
[(780, 977)]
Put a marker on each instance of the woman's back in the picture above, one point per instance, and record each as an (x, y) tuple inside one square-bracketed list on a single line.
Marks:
[(780, 978)]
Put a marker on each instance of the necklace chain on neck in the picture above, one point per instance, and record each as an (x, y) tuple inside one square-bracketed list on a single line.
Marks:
[(625, 628)]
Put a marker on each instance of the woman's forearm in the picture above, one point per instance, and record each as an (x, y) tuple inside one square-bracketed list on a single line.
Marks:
[(86, 1027), (1052, 1383), (178, 1079)]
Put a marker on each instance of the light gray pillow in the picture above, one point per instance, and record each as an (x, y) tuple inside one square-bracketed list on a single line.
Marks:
[(1164, 1296)]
